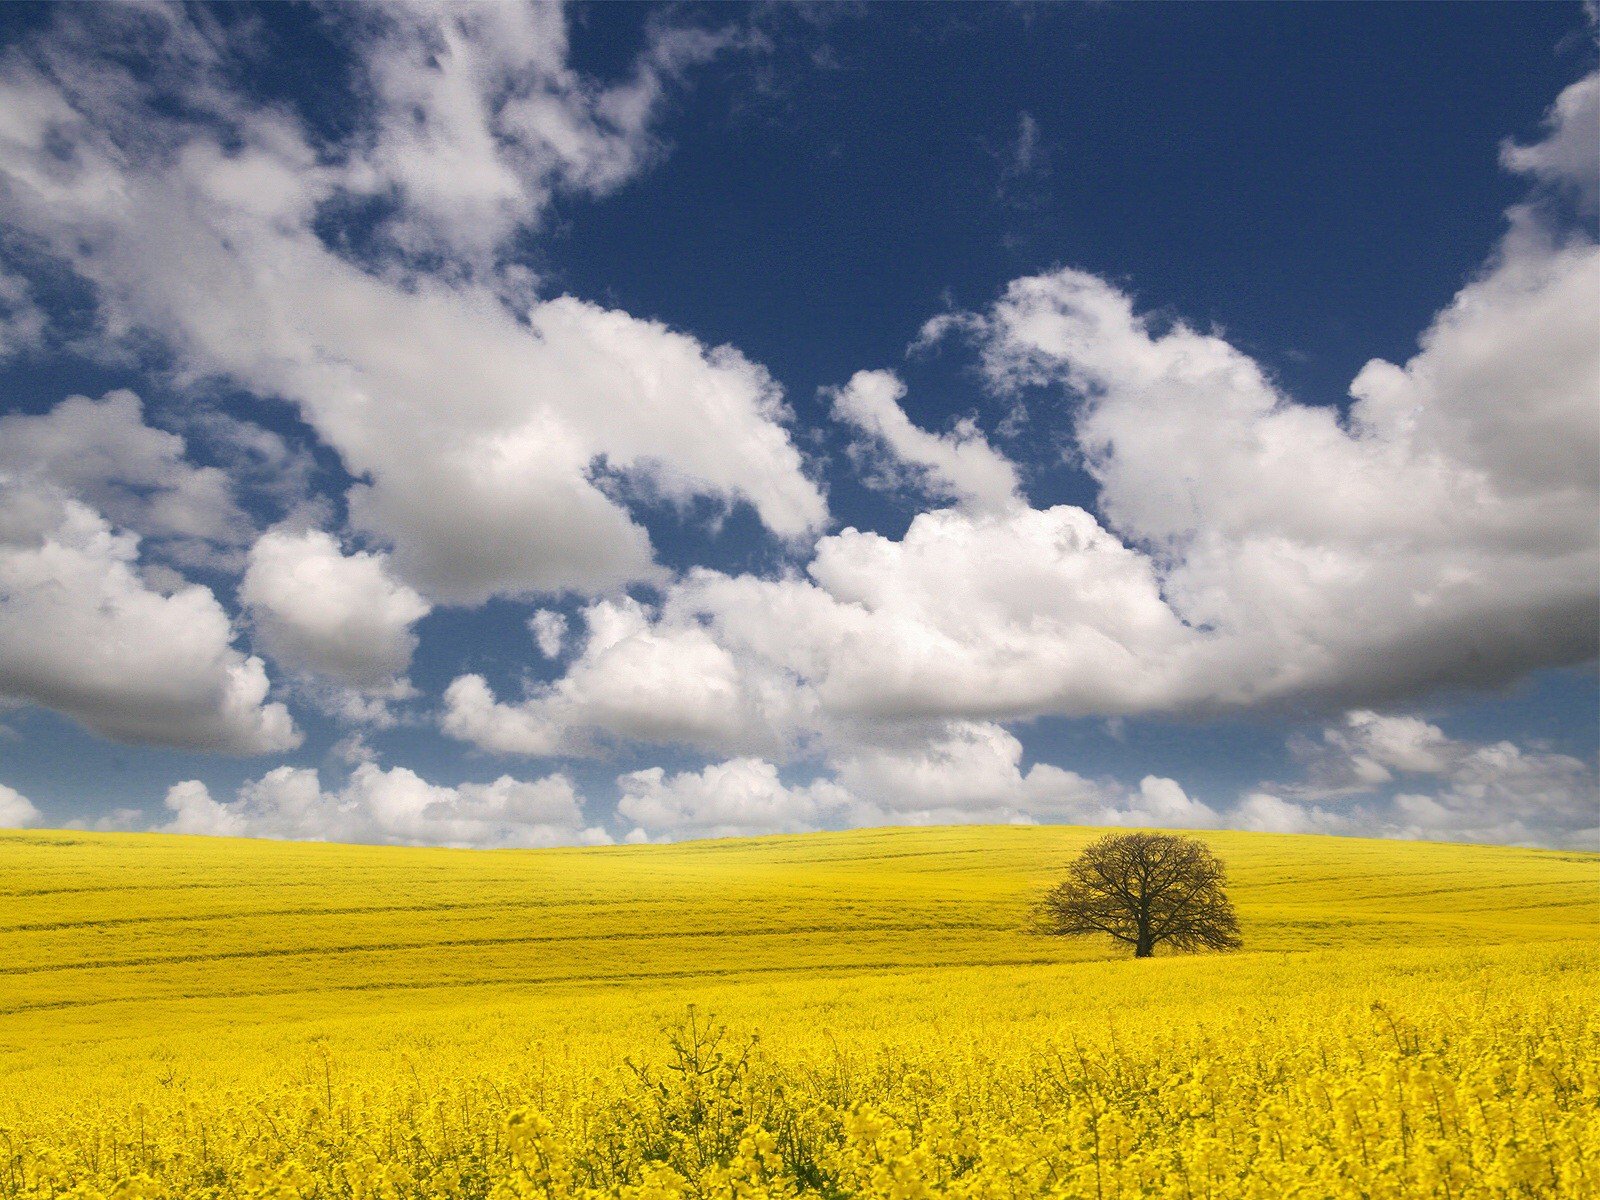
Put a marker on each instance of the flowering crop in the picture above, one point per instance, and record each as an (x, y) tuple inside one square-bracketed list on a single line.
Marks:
[(839, 1015)]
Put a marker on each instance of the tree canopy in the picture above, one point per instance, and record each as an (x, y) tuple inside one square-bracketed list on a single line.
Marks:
[(1145, 889)]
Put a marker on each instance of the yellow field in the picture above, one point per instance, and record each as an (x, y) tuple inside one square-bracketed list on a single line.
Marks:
[(207, 1017)]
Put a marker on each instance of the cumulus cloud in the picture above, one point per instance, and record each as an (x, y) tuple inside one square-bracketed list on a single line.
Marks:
[(1263, 812), (966, 772), (1371, 748), (473, 714), (971, 771), (103, 452), (393, 806), (353, 749), (959, 465), (83, 632), (496, 438), (743, 797), (1252, 551), (1401, 776), (124, 819), (968, 614), (338, 615), (1421, 542), (637, 678), (1439, 533), (1569, 154), (260, 462), (549, 629), (965, 615), (89, 622), (1245, 550), (479, 121), (16, 810)]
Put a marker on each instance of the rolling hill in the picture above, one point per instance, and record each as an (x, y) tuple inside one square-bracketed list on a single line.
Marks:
[(152, 974)]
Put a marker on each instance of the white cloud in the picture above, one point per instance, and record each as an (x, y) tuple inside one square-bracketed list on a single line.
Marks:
[(1370, 748), (1400, 776), (1570, 152), (971, 771), (22, 321), (196, 812), (372, 705), (472, 714), (743, 797), (1249, 551), (259, 462), (1442, 535), (1025, 150), (959, 465), (124, 819), (549, 629), (640, 679), (82, 632), (394, 806), (103, 453), (965, 772), (1024, 164), (1265, 813), (338, 615), (353, 750), (496, 439), (16, 810), (1163, 802), (479, 120), (1275, 553), (969, 614), (1255, 552)]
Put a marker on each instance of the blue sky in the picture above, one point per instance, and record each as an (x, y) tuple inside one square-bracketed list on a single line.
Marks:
[(507, 427)]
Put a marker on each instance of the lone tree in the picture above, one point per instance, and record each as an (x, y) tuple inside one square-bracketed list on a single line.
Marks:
[(1144, 889)]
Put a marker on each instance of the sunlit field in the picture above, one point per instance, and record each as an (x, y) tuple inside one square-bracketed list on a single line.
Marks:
[(857, 1014)]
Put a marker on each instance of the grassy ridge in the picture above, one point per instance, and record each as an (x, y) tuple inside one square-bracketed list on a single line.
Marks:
[(156, 974)]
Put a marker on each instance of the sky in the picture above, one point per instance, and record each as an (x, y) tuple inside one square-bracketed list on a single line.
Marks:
[(488, 425)]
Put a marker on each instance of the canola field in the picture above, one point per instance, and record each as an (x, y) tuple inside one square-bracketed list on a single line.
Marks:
[(833, 1015)]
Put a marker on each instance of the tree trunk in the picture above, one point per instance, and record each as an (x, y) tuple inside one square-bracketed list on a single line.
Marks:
[(1144, 947)]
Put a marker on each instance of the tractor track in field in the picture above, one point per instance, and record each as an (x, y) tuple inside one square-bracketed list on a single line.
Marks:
[(525, 905), (156, 960), (543, 981), (254, 886)]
